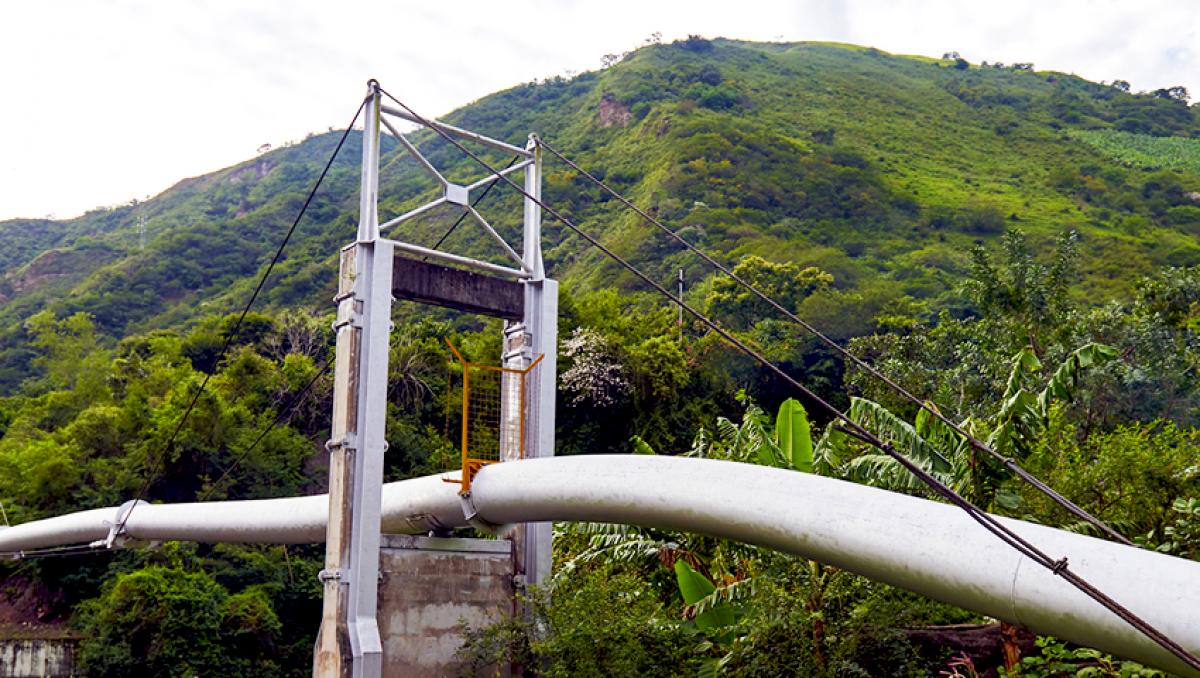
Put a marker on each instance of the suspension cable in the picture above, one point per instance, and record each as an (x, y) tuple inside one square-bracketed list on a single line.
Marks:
[(1058, 567), (54, 552), (284, 416), (1008, 462), (158, 463)]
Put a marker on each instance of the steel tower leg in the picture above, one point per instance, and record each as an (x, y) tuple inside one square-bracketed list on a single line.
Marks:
[(349, 644)]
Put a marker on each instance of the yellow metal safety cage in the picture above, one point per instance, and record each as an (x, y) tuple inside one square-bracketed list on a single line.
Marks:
[(494, 411)]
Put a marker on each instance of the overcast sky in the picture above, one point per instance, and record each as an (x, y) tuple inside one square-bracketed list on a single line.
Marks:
[(105, 101)]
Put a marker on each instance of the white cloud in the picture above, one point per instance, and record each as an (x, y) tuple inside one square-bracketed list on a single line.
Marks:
[(107, 101)]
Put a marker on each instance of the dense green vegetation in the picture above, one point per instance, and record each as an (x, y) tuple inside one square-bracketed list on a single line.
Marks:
[(1017, 247), (1144, 150)]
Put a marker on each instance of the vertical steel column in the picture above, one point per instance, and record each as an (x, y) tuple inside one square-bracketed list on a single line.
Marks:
[(349, 644), (531, 239), (541, 328)]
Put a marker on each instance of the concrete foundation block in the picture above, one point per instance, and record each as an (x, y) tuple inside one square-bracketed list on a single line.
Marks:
[(429, 587)]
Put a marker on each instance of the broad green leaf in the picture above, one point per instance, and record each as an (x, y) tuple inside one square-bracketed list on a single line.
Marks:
[(876, 418), (640, 446), (880, 470), (1025, 366), (711, 668), (831, 448), (1065, 381), (794, 436), (695, 587), (934, 430), (922, 421), (1008, 499)]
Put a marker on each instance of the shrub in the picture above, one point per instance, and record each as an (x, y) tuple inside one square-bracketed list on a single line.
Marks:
[(597, 623), (154, 622)]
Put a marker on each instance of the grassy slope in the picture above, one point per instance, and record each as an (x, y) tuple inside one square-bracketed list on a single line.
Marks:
[(727, 141)]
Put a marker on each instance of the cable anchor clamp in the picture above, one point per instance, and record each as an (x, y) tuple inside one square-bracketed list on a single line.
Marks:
[(345, 443), (116, 529), (337, 574)]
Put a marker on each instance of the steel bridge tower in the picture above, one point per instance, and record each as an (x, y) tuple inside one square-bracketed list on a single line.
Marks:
[(373, 271)]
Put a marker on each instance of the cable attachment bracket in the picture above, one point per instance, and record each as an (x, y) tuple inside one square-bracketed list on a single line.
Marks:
[(337, 574), (346, 442), (116, 529)]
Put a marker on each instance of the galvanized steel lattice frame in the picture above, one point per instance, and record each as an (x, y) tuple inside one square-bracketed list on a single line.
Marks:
[(349, 643)]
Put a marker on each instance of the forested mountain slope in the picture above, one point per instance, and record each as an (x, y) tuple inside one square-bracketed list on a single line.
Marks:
[(879, 169), (1018, 247)]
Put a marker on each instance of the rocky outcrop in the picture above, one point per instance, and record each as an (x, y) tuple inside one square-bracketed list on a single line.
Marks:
[(613, 112)]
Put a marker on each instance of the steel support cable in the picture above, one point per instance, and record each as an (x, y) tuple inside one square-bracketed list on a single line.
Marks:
[(283, 416), (1008, 462), (1058, 567), (54, 552), (229, 338)]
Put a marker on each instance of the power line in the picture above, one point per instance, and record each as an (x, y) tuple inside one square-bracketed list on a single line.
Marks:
[(229, 338), (1059, 567), (1008, 462)]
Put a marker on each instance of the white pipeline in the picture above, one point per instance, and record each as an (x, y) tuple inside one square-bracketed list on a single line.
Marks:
[(930, 548)]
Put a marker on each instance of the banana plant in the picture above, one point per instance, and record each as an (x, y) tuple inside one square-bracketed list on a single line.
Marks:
[(716, 620), (949, 456), (793, 438), (717, 616), (714, 606), (1024, 414), (789, 445), (836, 451)]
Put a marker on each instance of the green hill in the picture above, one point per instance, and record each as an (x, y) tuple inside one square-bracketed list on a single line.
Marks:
[(882, 170), (853, 185)]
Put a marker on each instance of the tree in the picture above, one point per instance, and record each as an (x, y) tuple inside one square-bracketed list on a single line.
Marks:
[(596, 376), (824, 136), (697, 43), (1120, 85), (157, 621), (1176, 93), (660, 368), (167, 621), (1029, 295), (70, 356), (787, 284)]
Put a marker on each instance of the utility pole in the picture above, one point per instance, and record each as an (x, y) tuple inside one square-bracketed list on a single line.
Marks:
[(349, 645)]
